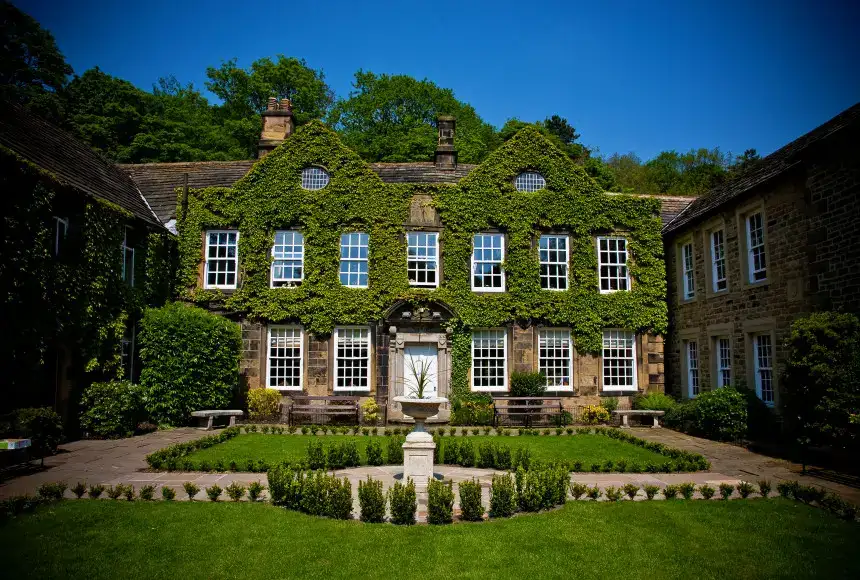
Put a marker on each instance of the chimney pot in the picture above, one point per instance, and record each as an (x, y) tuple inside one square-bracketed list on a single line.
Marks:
[(272, 104), (286, 105), (446, 155)]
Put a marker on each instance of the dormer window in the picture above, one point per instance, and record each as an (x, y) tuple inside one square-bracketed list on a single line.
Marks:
[(530, 181), (314, 178)]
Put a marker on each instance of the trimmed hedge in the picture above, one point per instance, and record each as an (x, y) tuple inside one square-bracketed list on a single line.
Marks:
[(112, 409)]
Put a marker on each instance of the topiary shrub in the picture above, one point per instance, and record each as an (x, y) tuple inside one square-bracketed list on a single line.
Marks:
[(721, 414), (654, 402), (528, 384), (403, 501), (112, 409), (440, 502), (471, 508), (264, 404), (371, 501), (190, 361)]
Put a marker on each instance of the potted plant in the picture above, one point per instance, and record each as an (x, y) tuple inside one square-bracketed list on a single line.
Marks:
[(417, 403)]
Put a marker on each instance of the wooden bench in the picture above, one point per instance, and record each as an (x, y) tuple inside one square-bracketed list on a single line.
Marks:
[(325, 407), (212, 413), (526, 407), (639, 413)]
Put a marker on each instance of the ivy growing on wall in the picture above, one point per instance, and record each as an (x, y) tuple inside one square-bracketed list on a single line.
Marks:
[(270, 198)]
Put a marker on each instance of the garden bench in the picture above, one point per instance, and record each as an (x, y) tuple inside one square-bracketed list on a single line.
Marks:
[(212, 413), (525, 407), (325, 407), (639, 413)]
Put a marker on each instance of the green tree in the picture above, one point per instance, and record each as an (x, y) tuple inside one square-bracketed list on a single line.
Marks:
[(393, 118), (32, 69), (744, 162), (556, 129)]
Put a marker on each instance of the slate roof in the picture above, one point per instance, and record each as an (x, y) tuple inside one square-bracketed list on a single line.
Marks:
[(70, 161), (768, 168), (420, 172), (670, 206)]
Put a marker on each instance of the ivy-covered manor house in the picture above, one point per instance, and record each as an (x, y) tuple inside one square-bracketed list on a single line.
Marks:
[(346, 276)]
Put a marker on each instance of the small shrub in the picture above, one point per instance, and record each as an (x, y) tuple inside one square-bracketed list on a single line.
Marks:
[(787, 489), (42, 426), (374, 453), (486, 455), (168, 493), (440, 502), (147, 492), (577, 490), (204, 466), (317, 455), (467, 453), (214, 492), (634, 467), (654, 402), (707, 491), (487, 430), (115, 491), (595, 468), (609, 403), (235, 491), (441, 431), (351, 457), (569, 430), (670, 491), (650, 491), (475, 431), (726, 490), (79, 489), (52, 491), (403, 503), (339, 500), (96, 491), (621, 466), (607, 466), (522, 457), (503, 501), (112, 409), (631, 490), (263, 405), (291, 429), (471, 508), (255, 489), (721, 414), (528, 384), (594, 415), (128, 492), (613, 493), (190, 489), (220, 467), (687, 489), (371, 501), (764, 488), (394, 450), (594, 493), (744, 489), (369, 412)]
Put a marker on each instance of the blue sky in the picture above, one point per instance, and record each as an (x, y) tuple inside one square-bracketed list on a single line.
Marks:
[(630, 76)]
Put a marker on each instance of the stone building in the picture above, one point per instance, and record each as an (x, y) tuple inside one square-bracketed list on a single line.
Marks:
[(423, 320), (752, 255)]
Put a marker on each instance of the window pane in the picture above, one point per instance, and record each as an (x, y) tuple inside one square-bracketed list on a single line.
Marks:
[(285, 358), (529, 181), (553, 262), (314, 178), (619, 362), (422, 258), (489, 360), (612, 264), (352, 364), (554, 358), (354, 260)]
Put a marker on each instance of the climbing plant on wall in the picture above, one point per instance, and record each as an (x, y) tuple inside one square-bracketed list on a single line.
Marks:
[(270, 198)]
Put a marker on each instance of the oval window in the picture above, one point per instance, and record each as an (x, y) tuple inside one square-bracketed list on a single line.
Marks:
[(314, 178), (530, 181)]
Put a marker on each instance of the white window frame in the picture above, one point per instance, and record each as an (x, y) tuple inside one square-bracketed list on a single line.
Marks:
[(315, 178), (564, 335), (762, 370), (269, 358), (427, 259), (691, 354), (60, 224), (752, 271), (479, 335), (529, 182), (287, 282), (126, 249), (723, 359), (127, 346), (501, 262), (339, 331), (234, 259), (345, 261), (562, 263), (610, 264), (718, 261), (608, 335), (688, 270)]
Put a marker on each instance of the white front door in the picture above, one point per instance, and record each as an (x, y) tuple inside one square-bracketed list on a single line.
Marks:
[(421, 360)]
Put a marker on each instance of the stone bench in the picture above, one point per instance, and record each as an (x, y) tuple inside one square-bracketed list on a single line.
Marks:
[(639, 413), (211, 414)]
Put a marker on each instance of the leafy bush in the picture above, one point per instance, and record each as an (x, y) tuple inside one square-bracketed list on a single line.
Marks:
[(650, 491), (316, 455), (115, 491), (214, 492), (707, 491), (339, 500), (369, 412), (147, 492), (255, 489), (594, 493), (403, 503), (609, 403), (787, 489), (95, 491), (744, 489), (467, 453), (542, 487), (613, 493), (42, 426), (528, 384), (687, 489), (594, 414), (168, 493), (503, 499), (670, 491), (682, 416), (476, 410), (471, 508), (52, 491), (264, 404), (190, 361), (371, 501), (631, 490), (764, 488), (577, 490), (112, 409), (374, 453), (235, 491), (79, 489), (726, 490), (440, 502), (722, 414), (654, 402), (394, 450), (190, 489)]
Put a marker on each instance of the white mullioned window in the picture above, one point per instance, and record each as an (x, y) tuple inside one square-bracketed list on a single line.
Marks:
[(285, 358), (61, 230), (127, 260), (222, 259), (490, 360), (692, 368), (612, 264), (288, 255), (555, 359), (619, 360), (488, 253), (352, 359), (724, 362), (530, 181), (422, 258), (756, 261), (353, 259), (553, 255), (763, 358), (718, 261), (314, 178), (688, 274)]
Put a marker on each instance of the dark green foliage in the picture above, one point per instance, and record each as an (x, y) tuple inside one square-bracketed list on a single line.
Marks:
[(650, 491), (403, 502), (52, 491), (542, 487), (190, 489), (613, 493), (115, 491), (471, 508), (128, 492), (18, 504), (726, 490), (95, 491), (42, 425), (112, 409), (577, 490), (214, 492), (630, 490), (720, 414), (190, 361), (169, 457), (744, 489), (371, 501), (440, 502), (764, 488), (146, 492), (374, 453), (235, 491), (654, 402), (528, 384), (79, 489), (503, 496), (339, 501), (787, 489), (313, 492), (168, 493), (594, 493), (394, 450), (707, 491), (255, 488), (670, 491), (687, 489)]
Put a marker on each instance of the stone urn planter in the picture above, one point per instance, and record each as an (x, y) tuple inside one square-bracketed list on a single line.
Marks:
[(419, 446)]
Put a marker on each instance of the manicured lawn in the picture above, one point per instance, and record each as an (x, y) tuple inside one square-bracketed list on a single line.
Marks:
[(276, 448), (96, 539)]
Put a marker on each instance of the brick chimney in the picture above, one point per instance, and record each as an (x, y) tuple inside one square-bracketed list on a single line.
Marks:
[(446, 155), (278, 124)]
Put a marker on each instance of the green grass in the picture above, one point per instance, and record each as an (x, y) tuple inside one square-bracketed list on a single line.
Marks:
[(276, 448), (95, 539)]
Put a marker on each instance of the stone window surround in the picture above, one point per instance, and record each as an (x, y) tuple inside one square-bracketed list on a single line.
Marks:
[(509, 359), (741, 215), (400, 339), (570, 390), (618, 235), (302, 360), (639, 365), (750, 329), (688, 238), (371, 362), (271, 253), (203, 270), (426, 230), (687, 335), (715, 332), (708, 229), (504, 288)]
